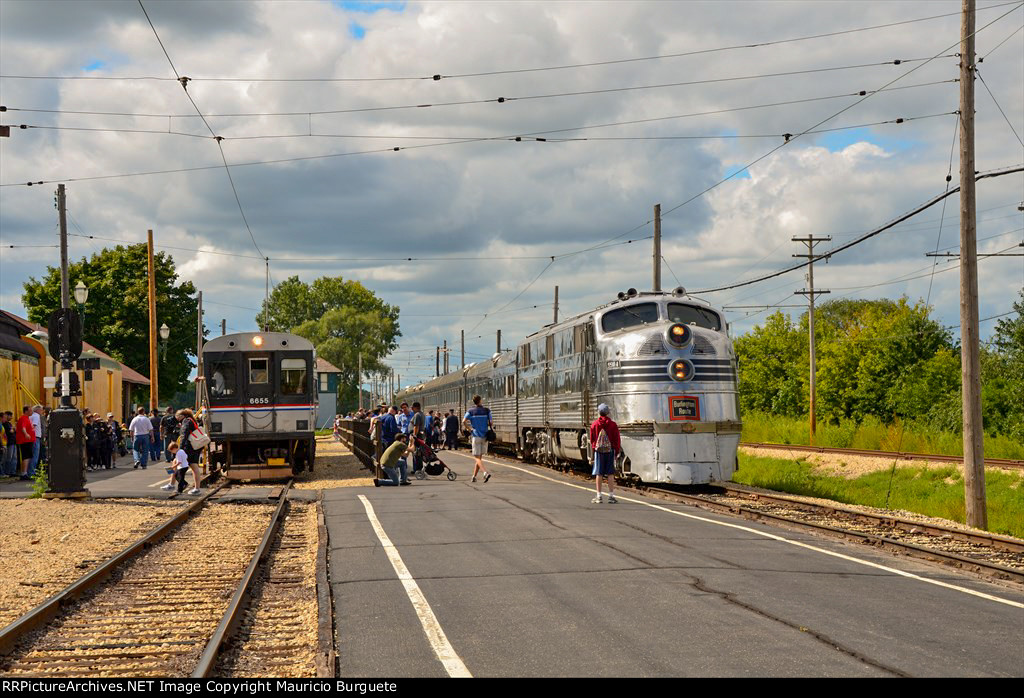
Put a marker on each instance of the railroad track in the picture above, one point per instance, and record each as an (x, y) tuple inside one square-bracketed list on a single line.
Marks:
[(989, 555), (175, 609), (903, 455)]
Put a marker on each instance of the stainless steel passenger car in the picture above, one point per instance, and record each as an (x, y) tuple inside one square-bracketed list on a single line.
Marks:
[(664, 364), (263, 403)]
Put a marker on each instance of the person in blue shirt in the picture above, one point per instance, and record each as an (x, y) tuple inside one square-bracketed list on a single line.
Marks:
[(403, 418), (478, 418), (389, 427)]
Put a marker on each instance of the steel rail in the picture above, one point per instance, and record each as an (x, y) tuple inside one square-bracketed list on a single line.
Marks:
[(981, 567), (896, 522), (52, 607), (903, 455), (233, 615)]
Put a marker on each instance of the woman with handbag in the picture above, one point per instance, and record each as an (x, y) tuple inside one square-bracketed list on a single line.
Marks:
[(191, 442)]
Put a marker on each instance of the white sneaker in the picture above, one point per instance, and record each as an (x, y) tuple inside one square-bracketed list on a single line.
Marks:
[(168, 487), (194, 490), (612, 499), (596, 500)]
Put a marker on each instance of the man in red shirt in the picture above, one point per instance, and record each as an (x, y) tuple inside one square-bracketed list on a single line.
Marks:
[(25, 436), (607, 444)]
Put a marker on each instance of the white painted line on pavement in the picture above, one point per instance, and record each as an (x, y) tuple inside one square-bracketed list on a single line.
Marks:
[(781, 539), (431, 628)]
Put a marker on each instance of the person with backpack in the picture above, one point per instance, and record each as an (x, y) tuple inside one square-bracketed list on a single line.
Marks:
[(607, 444), (192, 454), (478, 418)]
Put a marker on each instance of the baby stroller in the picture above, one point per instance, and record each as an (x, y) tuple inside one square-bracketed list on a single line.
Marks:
[(432, 465)]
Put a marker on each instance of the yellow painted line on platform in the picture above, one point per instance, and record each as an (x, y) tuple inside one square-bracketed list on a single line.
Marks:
[(781, 539), (431, 627)]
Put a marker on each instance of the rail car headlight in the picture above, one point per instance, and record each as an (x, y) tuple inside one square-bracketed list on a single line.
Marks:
[(257, 341), (679, 335), (681, 370)]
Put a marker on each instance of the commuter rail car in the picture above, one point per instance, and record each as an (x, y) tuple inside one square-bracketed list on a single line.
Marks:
[(263, 402), (663, 362)]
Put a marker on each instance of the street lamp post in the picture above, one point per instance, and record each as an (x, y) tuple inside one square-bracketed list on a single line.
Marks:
[(165, 332), (81, 296)]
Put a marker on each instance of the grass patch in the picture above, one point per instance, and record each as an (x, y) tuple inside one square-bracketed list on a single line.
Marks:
[(935, 492), (871, 434)]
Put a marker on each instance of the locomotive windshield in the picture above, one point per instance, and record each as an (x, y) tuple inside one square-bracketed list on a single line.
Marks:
[(629, 316), (689, 314)]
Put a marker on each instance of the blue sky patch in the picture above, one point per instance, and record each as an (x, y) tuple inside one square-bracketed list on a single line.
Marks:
[(732, 169), (356, 31), (95, 65), (368, 7), (837, 140)]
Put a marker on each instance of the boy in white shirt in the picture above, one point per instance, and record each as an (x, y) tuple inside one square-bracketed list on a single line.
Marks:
[(181, 468)]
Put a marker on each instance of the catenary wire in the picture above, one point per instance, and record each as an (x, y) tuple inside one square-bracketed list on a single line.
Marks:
[(438, 76)]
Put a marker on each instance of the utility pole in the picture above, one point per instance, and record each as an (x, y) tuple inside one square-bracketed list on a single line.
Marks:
[(556, 304), (811, 241), (200, 385), (445, 350), (462, 342), (970, 362), (359, 381), (266, 302), (437, 362), (154, 388), (499, 342), (657, 248), (65, 285), (223, 326)]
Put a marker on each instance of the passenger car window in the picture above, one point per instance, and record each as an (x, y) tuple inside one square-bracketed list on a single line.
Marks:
[(690, 314), (293, 376), (629, 316)]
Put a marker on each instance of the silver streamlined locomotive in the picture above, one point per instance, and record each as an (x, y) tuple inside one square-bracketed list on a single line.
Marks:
[(664, 364), (263, 401)]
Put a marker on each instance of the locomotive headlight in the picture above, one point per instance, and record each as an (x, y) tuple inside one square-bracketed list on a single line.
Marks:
[(681, 370), (257, 341), (679, 335)]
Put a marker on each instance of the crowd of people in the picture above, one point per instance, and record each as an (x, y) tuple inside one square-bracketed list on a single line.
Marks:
[(401, 426), (150, 437)]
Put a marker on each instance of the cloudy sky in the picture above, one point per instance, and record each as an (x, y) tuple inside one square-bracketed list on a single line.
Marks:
[(320, 95)]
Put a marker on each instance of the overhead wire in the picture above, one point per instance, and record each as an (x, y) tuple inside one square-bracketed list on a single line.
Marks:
[(508, 137), (440, 76), (942, 216), (996, 102)]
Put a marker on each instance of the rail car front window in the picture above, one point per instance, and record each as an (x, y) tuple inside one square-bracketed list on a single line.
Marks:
[(258, 372), (222, 383), (293, 376), (694, 315), (629, 316)]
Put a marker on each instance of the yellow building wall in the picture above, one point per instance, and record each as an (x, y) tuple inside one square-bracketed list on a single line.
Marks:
[(13, 397), (7, 397)]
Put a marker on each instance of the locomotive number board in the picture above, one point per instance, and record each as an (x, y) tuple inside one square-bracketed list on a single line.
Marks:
[(683, 407)]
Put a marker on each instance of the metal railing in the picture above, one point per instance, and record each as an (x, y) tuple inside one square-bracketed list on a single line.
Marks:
[(355, 434)]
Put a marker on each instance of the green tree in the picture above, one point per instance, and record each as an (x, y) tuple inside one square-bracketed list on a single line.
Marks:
[(1002, 376), (343, 319), (117, 312), (773, 367), (294, 302)]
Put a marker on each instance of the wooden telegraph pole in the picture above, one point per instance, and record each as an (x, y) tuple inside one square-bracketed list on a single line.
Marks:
[(154, 388), (359, 381), (65, 285), (657, 248), (970, 362), (811, 294), (462, 342), (556, 304), (200, 385)]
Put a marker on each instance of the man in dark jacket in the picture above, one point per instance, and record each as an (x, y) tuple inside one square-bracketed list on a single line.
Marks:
[(170, 428)]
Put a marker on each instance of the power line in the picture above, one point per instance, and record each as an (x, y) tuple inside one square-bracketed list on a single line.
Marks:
[(996, 102), (440, 76), (942, 216), (870, 234), (220, 148), (713, 136), (631, 122)]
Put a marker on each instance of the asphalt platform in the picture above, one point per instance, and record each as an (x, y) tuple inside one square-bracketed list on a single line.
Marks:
[(524, 576)]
